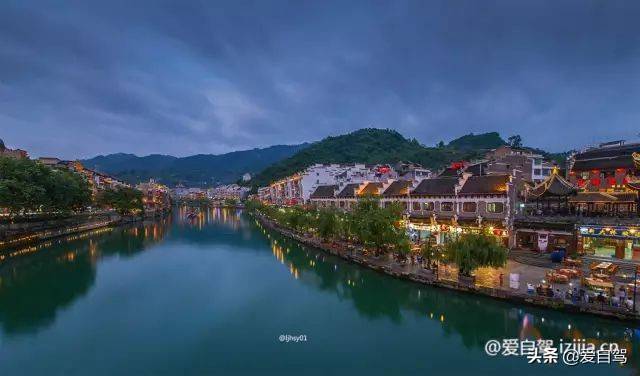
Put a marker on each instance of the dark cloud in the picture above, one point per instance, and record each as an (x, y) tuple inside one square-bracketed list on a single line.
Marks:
[(206, 77)]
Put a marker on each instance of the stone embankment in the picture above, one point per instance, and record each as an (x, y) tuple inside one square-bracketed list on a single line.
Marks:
[(32, 229), (419, 274)]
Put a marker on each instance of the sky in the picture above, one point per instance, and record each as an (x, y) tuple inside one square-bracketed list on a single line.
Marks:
[(83, 78)]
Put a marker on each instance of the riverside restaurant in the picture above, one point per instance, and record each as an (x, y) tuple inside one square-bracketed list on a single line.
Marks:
[(620, 242)]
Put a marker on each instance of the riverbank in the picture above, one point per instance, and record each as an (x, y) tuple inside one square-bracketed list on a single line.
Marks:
[(418, 274), (35, 229)]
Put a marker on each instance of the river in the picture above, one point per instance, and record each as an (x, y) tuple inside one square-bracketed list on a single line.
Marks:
[(213, 296)]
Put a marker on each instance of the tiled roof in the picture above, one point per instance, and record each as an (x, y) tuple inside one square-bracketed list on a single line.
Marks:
[(324, 191), (348, 191), (606, 158), (483, 185), (444, 186), (372, 188), (397, 188), (593, 197), (553, 186), (634, 185)]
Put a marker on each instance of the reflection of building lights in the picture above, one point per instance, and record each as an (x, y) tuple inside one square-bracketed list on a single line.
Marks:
[(441, 318)]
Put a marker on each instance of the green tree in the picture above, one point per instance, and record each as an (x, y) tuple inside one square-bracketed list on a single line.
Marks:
[(328, 224), (471, 251), (124, 200), (26, 185), (427, 251), (515, 141), (378, 227)]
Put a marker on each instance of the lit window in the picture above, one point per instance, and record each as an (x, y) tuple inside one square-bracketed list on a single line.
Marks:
[(469, 207), (495, 207), (427, 206)]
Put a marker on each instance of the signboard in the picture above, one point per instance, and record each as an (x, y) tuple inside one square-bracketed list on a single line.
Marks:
[(514, 281), (610, 232), (543, 241)]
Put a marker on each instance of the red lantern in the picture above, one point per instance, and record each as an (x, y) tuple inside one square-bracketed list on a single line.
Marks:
[(383, 169), (611, 181), (581, 182), (596, 182), (457, 165)]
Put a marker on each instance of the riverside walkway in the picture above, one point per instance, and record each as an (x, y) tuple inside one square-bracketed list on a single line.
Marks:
[(492, 282)]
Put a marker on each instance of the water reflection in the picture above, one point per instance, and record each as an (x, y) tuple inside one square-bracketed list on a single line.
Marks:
[(475, 319), (37, 281), (36, 285)]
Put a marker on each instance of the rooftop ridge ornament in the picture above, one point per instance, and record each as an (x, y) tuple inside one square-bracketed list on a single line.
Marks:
[(636, 159)]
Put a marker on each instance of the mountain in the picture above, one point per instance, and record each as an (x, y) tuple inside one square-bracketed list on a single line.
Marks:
[(372, 145), (485, 141), (196, 170)]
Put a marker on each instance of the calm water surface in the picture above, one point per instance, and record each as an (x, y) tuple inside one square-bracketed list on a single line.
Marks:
[(212, 296)]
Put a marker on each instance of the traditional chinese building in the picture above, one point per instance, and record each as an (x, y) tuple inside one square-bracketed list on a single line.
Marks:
[(543, 222), (607, 177)]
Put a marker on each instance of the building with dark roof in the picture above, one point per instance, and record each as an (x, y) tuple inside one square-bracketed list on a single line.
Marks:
[(398, 188), (349, 191), (371, 189), (324, 192), (485, 185), (606, 168), (440, 186)]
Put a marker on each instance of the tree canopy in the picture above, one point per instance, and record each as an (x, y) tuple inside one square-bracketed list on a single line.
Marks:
[(372, 145), (124, 200), (28, 186), (471, 251)]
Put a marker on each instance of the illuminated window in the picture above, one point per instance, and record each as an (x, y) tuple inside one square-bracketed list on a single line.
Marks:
[(446, 206), (427, 206), (495, 207)]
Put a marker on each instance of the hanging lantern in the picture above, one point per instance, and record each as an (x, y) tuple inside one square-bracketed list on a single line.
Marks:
[(596, 182)]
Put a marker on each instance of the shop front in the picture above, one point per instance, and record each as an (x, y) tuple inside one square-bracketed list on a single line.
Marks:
[(444, 233), (610, 242), (542, 235), (544, 240)]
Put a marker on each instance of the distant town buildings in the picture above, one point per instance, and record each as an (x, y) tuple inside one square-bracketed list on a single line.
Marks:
[(297, 188), (97, 181), (228, 192), (233, 192), (12, 153), (156, 197), (589, 207)]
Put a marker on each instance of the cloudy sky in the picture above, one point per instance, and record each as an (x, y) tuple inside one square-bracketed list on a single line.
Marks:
[(186, 77)]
